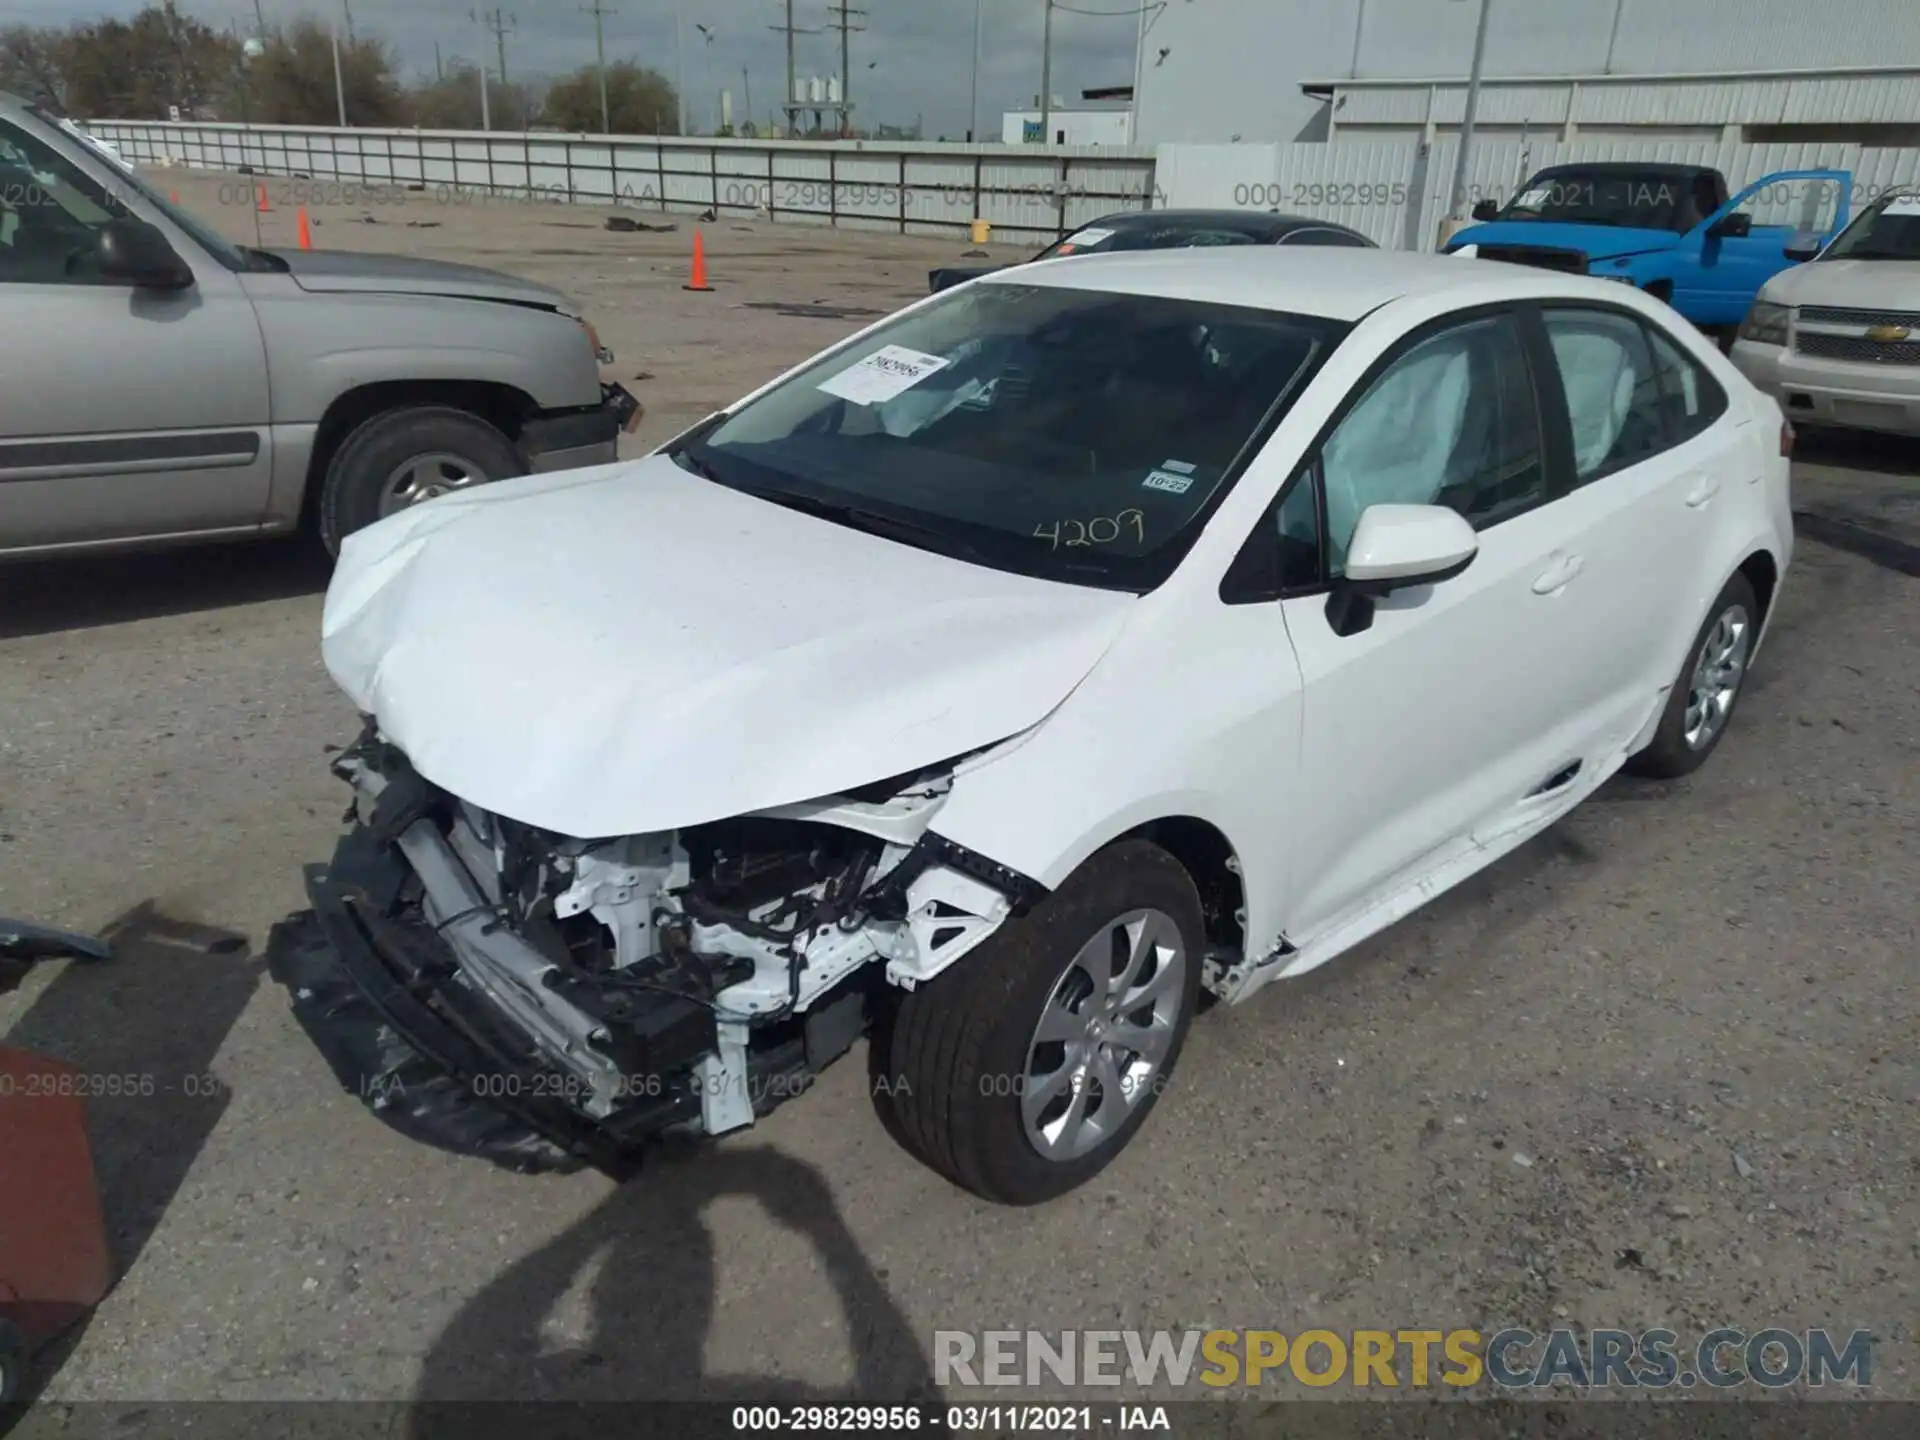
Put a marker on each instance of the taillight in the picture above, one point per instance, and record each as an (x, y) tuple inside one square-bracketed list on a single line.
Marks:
[(1786, 439)]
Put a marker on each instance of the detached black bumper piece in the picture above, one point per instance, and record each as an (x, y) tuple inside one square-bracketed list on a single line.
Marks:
[(572, 439), (402, 1037)]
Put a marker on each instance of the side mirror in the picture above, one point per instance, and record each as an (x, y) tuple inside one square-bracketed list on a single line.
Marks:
[(1732, 227), (138, 254), (1485, 209), (1802, 248), (1396, 547)]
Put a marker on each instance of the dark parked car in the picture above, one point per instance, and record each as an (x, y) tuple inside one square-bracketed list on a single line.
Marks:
[(1173, 230)]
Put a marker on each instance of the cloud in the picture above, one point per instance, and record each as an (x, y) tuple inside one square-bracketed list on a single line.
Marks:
[(911, 60)]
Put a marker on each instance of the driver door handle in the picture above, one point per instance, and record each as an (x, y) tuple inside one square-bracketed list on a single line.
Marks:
[(1705, 487), (1557, 576)]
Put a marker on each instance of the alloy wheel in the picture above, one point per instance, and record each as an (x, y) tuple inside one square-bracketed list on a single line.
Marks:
[(1717, 673), (1104, 1035)]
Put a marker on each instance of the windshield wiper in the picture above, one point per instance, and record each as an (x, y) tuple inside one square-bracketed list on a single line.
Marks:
[(872, 522), (685, 458)]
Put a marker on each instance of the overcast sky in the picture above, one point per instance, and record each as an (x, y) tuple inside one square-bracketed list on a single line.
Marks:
[(921, 51)]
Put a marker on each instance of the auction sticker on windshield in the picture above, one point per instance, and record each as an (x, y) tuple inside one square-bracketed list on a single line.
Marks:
[(1088, 238), (889, 371)]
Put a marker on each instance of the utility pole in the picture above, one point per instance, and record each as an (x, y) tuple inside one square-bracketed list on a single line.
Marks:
[(1613, 37), (260, 15), (500, 23), (847, 30), (339, 84), (746, 91), (439, 69), (790, 70), (1459, 194), (707, 36), (347, 5), (973, 115), (680, 60), (790, 106), (1046, 76), (1140, 74), (486, 110), (600, 13)]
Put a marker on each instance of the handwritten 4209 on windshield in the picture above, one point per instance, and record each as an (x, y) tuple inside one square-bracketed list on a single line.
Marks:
[(1101, 530)]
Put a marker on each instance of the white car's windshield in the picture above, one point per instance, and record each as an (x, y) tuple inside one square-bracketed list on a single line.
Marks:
[(1072, 434), (1889, 231)]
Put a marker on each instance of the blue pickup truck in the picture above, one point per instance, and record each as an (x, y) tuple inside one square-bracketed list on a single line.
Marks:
[(1671, 230)]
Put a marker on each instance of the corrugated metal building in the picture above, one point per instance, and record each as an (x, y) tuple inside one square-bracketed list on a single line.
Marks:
[(1755, 71)]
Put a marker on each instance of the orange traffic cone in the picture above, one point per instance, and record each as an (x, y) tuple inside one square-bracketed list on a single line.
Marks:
[(699, 278), (264, 206), (306, 230)]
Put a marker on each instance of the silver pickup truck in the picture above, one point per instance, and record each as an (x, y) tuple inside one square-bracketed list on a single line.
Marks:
[(159, 383)]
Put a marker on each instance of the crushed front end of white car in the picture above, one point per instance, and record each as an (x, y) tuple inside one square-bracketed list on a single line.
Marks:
[(623, 856), (547, 1002)]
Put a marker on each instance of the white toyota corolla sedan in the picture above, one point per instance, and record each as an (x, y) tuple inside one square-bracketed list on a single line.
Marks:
[(991, 685)]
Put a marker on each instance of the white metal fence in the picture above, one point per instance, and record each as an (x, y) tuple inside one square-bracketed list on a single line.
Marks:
[(1037, 192), (1395, 192)]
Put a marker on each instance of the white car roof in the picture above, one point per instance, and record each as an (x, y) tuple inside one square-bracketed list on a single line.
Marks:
[(1332, 282)]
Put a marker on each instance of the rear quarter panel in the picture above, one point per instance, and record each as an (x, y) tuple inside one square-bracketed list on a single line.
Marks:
[(1754, 505)]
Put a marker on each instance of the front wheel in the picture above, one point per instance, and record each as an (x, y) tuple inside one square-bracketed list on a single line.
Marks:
[(1708, 687), (405, 457), (1021, 1073)]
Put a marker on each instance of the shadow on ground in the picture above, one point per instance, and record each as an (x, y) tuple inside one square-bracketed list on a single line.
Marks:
[(1858, 450), (653, 1272), (143, 1029), (44, 597)]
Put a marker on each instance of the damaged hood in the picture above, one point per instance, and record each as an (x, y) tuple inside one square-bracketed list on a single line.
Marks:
[(631, 648), (345, 271), (1596, 242)]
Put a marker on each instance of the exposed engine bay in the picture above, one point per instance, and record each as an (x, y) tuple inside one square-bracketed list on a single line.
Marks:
[(549, 1001)]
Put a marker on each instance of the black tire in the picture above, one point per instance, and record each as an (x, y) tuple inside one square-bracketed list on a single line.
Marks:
[(350, 495), (1670, 756), (955, 1038), (14, 1360)]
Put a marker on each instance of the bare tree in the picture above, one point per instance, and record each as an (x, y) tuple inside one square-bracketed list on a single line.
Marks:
[(33, 64)]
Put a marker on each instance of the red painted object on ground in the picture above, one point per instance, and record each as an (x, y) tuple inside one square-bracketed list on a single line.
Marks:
[(54, 1265)]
